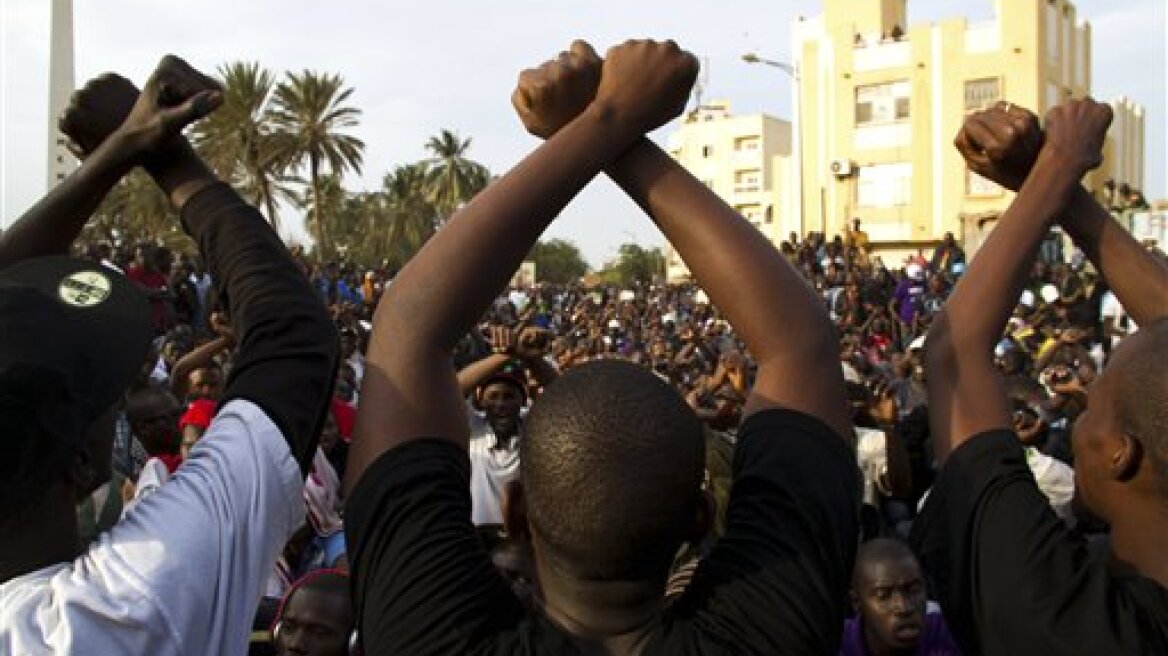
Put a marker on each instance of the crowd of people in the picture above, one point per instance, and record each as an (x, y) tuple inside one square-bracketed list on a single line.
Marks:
[(806, 449)]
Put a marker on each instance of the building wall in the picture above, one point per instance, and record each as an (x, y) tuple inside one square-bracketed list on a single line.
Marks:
[(886, 110), (744, 159)]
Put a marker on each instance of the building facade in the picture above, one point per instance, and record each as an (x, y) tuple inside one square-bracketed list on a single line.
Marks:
[(880, 102), (744, 159)]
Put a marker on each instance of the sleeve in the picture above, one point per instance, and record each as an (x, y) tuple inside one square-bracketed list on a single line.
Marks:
[(422, 582), (777, 581), (288, 347), (200, 548), (1010, 579)]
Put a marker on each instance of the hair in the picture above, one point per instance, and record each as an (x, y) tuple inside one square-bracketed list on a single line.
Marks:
[(881, 549), (37, 445), (612, 462), (1141, 393)]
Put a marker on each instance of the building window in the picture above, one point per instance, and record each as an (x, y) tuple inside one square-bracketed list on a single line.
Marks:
[(979, 187), (707, 151), (982, 93), (746, 180), (884, 185), (769, 216), (746, 143), (883, 103)]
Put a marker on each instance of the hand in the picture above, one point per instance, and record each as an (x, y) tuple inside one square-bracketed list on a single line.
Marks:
[(645, 84), (532, 343), (1001, 144), (222, 327), (175, 96), (501, 339), (95, 111), (549, 97), (1076, 130)]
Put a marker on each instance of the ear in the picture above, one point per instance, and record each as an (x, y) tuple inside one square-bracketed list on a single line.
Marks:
[(705, 514), (515, 512), (1127, 458)]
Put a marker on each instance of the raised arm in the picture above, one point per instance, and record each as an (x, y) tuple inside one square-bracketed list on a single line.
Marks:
[(410, 390), (780, 318), (288, 346), (966, 393)]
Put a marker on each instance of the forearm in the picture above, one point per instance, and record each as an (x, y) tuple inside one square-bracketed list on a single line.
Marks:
[(288, 348), (1138, 278), (475, 254), (473, 374), (196, 359), (543, 371), (776, 313), (51, 226), (988, 293)]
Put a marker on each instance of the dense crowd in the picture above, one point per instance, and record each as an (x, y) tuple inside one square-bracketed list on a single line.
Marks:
[(334, 460)]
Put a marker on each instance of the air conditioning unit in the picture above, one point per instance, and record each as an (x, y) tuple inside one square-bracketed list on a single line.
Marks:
[(842, 168)]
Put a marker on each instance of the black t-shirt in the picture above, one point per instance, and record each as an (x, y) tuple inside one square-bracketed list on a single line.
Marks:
[(1012, 580), (776, 583)]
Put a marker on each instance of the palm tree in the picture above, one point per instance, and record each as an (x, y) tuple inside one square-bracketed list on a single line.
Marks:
[(310, 110), (453, 178), (411, 215), (239, 141), (135, 210)]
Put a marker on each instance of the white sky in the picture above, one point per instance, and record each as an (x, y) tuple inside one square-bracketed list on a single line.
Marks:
[(419, 67)]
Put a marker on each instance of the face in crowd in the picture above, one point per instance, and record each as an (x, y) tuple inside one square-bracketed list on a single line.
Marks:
[(154, 416), (205, 383), (316, 619), (888, 590), (501, 401)]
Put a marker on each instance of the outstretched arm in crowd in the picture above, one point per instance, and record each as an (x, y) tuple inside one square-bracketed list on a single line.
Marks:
[(779, 316), (410, 390), (966, 393), (288, 347)]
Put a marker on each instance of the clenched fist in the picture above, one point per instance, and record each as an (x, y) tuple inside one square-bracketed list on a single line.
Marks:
[(549, 97), (645, 84)]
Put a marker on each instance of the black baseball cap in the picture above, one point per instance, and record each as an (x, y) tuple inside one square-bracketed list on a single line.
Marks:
[(81, 325)]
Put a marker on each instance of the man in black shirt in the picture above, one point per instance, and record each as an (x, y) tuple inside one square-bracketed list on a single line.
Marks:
[(1010, 578), (612, 458)]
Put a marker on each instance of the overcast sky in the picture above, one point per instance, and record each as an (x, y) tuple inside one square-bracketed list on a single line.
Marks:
[(420, 67)]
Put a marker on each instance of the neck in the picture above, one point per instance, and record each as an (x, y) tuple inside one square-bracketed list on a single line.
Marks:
[(1138, 537), (603, 617), (44, 537)]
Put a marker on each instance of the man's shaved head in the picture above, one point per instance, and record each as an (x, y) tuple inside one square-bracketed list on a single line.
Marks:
[(1140, 367), (612, 463)]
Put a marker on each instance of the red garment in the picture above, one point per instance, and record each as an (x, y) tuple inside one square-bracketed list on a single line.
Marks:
[(152, 281), (345, 415), (199, 413), (171, 460)]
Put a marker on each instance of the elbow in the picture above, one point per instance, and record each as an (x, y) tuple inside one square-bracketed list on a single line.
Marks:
[(940, 351)]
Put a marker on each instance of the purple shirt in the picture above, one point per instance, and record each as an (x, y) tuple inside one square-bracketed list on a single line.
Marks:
[(906, 295), (935, 639)]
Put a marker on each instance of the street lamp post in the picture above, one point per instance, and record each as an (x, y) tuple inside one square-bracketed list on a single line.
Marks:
[(793, 72)]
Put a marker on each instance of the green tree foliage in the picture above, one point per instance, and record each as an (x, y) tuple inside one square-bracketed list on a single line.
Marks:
[(557, 261), (311, 111), (636, 264), (452, 178)]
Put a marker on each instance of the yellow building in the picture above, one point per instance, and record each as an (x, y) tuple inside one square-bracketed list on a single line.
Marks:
[(744, 159), (878, 103)]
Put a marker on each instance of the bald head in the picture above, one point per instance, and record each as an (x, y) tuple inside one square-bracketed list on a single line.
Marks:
[(612, 462), (881, 550)]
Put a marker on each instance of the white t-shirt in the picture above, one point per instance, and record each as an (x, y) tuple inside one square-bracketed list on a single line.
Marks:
[(491, 470), (872, 457), (181, 573), (1110, 307)]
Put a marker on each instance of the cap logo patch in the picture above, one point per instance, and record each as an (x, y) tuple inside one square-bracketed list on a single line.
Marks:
[(85, 288)]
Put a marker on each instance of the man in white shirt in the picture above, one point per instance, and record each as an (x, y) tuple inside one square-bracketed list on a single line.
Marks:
[(181, 573)]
